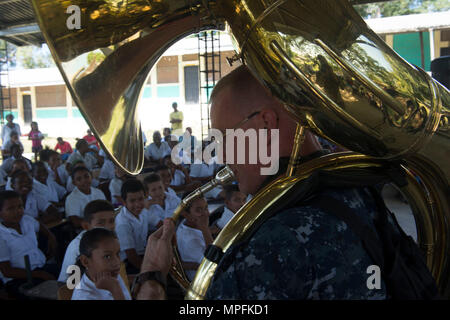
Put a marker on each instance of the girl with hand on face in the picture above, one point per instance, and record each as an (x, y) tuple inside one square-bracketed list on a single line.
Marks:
[(99, 260)]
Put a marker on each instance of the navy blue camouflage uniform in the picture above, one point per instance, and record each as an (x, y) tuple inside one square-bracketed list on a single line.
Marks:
[(302, 253)]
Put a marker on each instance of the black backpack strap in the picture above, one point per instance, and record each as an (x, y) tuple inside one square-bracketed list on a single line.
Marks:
[(362, 230)]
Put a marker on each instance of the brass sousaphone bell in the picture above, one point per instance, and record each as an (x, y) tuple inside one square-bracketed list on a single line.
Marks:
[(333, 73)]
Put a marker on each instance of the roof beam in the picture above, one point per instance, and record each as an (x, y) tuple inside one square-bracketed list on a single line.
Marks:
[(32, 28)]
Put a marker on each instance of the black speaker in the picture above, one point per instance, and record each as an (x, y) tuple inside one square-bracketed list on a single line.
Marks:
[(440, 70)]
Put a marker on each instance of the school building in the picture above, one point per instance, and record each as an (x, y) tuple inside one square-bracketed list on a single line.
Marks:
[(41, 95)]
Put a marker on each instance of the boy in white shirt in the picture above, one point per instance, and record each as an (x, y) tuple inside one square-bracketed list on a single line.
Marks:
[(166, 177), (83, 153), (97, 214), (162, 204), (115, 186), (234, 200), (157, 150), (181, 180), (36, 205), (81, 195), (194, 236), (48, 187), (18, 239), (133, 225), (56, 170)]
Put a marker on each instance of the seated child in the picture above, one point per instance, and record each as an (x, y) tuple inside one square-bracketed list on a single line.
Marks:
[(19, 164), (48, 187), (70, 185), (204, 172), (36, 205), (194, 236), (100, 262), (133, 225), (181, 180), (18, 239), (166, 177), (16, 151), (56, 170), (234, 200), (97, 214), (161, 204), (116, 184), (81, 195)]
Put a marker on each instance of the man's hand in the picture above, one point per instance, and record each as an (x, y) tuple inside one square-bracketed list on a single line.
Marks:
[(158, 254)]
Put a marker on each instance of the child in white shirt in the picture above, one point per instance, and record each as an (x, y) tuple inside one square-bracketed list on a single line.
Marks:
[(81, 195), (48, 187), (17, 239), (100, 262), (161, 204), (194, 236), (234, 200), (115, 186), (166, 177), (97, 214), (133, 225)]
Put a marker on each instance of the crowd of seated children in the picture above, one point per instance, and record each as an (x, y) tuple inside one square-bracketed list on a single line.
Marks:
[(160, 203), (100, 263), (115, 186), (234, 200), (36, 205), (133, 225), (83, 153), (97, 214), (47, 187), (82, 194), (204, 172), (19, 164), (193, 235), (18, 239), (16, 153), (156, 151)]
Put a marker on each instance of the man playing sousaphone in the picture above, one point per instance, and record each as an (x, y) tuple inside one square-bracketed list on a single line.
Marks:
[(303, 251)]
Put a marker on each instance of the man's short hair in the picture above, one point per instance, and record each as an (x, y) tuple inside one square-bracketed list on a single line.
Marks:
[(7, 195), (80, 143), (174, 104), (151, 178), (229, 190), (78, 169), (96, 206), (130, 186), (13, 133)]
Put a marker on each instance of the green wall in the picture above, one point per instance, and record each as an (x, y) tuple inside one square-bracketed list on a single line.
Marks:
[(407, 45)]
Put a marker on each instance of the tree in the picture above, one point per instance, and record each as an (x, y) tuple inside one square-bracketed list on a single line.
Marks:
[(30, 57), (401, 7), (11, 59)]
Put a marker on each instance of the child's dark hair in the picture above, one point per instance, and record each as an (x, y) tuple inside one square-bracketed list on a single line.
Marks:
[(154, 177), (80, 143), (90, 240), (38, 164), (17, 174), (96, 206), (45, 153), (7, 195), (130, 186), (78, 169), (229, 190), (189, 205)]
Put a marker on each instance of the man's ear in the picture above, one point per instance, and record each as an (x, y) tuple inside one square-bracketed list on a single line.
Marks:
[(270, 118)]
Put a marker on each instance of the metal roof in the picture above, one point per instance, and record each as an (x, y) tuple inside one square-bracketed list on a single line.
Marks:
[(18, 24)]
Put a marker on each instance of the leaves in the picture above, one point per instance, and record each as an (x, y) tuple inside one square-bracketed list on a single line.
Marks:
[(401, 7)]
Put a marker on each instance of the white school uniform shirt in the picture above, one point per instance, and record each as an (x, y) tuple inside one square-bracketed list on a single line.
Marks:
[(132, 231), (115, 187), (35, 202), (14, 246), (226, 216), (178, 179), (170, 204), (89, 160), (6, 133), (157, 153), (77, 200), (107, 170), (191, 246), (52, 191), (70, 258), (88, 291)]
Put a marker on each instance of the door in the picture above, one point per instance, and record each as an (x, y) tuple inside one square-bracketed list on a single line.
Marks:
[(27, 113), (191, 83)]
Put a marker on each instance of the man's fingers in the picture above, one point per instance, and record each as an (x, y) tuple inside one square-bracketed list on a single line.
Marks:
[(168, 229)]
